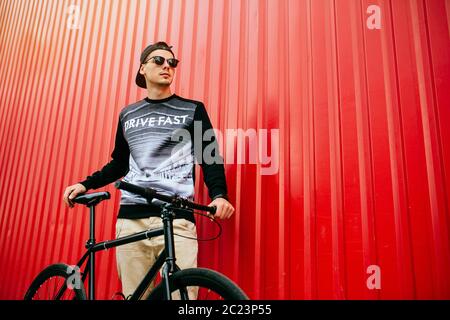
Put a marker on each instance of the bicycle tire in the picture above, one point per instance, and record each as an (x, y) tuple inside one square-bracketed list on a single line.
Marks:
[(58, 270), (207, 280)]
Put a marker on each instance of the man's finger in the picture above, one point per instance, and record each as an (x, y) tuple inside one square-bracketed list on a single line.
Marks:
[(66, 199), (66, 196), (219, 211), (230, 211)]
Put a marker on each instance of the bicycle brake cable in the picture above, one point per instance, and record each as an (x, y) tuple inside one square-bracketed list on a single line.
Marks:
[(210, 218)]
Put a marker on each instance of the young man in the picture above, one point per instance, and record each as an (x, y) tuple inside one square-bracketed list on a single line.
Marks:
[(149, 153)]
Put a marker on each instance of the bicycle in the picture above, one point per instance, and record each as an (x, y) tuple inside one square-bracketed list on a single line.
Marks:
[(210, 283)]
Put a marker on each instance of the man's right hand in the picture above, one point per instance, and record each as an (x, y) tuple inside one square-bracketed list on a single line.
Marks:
[(71, 192)]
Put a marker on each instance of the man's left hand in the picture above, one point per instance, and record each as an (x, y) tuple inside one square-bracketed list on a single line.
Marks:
[(224, 209)]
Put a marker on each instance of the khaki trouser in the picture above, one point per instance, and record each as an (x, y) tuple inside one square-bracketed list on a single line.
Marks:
[(135, 259)]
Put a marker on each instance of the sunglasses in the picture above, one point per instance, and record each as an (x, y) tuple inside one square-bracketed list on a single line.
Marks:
[(160, 61)]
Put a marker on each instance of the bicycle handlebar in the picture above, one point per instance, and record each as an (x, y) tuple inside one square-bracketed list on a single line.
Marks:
[(149, 194)]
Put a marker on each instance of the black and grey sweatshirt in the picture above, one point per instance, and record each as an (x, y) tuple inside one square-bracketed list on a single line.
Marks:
[(153, 149)]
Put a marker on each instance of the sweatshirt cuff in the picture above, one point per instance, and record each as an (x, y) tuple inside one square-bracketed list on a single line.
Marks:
[(87, 184), (220, 195)]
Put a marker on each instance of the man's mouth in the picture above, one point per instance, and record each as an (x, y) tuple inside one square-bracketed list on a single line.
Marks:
[(164, 74)]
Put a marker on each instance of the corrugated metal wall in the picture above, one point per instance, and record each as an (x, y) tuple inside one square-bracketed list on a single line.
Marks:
[(364, 148)]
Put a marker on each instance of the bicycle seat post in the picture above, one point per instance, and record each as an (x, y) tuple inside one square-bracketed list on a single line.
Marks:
[(90, 243)]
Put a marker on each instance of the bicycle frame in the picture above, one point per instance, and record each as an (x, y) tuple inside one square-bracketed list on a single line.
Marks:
[(166, 260)]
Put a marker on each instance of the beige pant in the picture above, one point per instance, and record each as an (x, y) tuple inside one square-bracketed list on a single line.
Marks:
[(135, 259)]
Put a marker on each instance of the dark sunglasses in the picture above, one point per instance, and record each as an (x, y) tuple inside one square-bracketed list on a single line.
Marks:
[(160, 61)]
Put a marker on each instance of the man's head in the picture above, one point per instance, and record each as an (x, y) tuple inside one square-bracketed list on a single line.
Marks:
[(157, 66)]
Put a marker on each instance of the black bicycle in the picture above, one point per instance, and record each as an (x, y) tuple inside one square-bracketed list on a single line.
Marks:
[(61, 281)]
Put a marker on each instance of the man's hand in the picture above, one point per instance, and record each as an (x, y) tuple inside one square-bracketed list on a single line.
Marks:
[(71, 192), (224, 209)]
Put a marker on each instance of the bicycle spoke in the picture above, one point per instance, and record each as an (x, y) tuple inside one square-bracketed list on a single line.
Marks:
[(56, 285), (54, 288)]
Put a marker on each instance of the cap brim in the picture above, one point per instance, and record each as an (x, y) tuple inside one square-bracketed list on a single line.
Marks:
[(140, 80)]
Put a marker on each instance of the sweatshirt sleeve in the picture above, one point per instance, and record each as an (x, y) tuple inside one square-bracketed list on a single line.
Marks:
[(213, 173), (116, 168)]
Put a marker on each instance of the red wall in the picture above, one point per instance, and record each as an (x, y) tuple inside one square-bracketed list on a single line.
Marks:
[(364, 148)]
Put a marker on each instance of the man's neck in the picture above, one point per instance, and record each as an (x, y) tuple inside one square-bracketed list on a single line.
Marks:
[(156, 93)]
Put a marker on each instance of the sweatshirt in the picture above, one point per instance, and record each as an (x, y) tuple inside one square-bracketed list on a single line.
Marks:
[(155, 147)]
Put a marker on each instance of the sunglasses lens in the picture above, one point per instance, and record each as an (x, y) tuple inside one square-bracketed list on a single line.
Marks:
[(172, 62), (159, 60)]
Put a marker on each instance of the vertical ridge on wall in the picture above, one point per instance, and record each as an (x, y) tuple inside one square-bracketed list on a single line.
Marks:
[(284, 186), (309, 217), (364, 156), (335, 159)]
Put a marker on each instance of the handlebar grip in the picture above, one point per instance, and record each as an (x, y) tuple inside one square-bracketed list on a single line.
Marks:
[(145, 192), (204, 208)]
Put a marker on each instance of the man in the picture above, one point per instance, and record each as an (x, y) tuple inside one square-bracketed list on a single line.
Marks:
[(147, 154)]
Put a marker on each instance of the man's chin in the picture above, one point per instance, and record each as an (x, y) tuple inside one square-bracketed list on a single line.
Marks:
[(166, 82), (163, 83)]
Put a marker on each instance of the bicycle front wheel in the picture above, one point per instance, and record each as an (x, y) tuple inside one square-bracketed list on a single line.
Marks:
[(209, 285), (56, 282)]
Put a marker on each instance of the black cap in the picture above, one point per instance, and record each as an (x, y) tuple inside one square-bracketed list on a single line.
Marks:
[(140, 79)]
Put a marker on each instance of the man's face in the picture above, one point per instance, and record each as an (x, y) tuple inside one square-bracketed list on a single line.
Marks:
[(160, 75)]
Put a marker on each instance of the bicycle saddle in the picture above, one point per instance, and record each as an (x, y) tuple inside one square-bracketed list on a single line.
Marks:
[(90, 199)]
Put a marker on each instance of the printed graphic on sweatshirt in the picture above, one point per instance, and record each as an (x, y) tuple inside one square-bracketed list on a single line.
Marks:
[(156, 160)]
